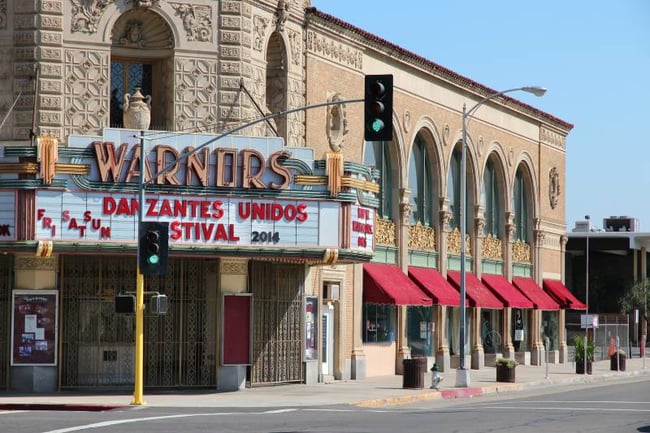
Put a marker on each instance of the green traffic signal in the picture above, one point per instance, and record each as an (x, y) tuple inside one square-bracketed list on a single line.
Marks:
[(153, 259), (153, 248), (377, 125)]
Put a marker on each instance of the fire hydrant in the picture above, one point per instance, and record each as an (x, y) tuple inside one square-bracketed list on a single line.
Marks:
[(435, 377)]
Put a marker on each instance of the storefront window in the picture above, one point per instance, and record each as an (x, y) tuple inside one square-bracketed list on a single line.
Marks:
[(549, 328), (420, 331), (519, 332), (379, 323)]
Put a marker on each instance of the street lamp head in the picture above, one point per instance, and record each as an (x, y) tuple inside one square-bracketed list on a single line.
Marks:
[(535, 90), (586, 217)]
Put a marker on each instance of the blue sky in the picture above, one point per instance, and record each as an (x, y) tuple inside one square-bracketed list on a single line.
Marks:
[(593, 56)]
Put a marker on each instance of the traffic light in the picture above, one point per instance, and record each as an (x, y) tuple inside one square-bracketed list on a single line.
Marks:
[(378, 108), (153, 248), (125, 304)]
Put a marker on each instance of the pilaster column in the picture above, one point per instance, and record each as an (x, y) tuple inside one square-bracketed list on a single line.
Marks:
[(443, 358), (508, 348), (443, 234), (403, 351), (561, 319), (358, 357), (478, 355), (477, 241), (537, 345)]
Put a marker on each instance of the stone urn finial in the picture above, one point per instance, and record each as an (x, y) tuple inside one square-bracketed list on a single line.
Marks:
[(137, 110)]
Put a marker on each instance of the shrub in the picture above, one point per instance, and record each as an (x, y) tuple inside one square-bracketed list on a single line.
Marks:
[(506, 362)]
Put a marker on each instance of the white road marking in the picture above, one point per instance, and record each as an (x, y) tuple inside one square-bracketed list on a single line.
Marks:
[(569, 409)]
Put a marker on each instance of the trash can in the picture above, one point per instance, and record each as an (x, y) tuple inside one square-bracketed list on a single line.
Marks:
[(414, 369)]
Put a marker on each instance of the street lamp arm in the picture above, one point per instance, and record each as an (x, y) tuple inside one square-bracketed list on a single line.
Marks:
[(535, 90)]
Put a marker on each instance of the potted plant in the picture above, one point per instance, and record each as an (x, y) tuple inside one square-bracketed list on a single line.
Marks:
[(506, 369), (617, 360), (579, 355)]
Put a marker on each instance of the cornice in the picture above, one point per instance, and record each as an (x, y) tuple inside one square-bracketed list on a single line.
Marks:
[(394, 51)]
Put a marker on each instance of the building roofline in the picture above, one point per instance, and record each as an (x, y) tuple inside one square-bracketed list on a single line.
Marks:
[(433, 67)]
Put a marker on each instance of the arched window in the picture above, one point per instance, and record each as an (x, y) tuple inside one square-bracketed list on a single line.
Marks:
[(376, 155), (520, 207), (141, 53), (420, 184), (493, 201), (453, 189), (276, 82)]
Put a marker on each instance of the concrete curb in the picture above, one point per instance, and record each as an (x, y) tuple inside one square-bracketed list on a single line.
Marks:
[(497, 388)]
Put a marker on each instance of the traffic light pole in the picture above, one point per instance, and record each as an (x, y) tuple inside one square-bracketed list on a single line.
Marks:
[(139, 291)]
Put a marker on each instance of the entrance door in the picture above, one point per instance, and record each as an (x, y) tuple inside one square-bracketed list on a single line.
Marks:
[(327, 356)]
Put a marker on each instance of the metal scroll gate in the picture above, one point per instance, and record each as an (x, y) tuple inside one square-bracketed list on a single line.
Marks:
[(98, 345), (6, 284), (277, 315)]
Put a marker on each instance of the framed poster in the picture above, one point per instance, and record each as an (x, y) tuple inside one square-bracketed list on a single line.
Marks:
[(34, 327), (311, 328)]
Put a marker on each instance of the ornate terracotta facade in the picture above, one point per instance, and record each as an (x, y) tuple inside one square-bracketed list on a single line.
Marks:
[(211, 67)]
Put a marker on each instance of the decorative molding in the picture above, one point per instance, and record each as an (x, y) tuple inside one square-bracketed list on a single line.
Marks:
[(196, 93), (3, 14), (453, 243), (337, 122), (407, 120), (552, 138), (146, 3), (295, 45), (86, 73), (30, 263), (404, 205), (334, 51), (554, 188), (281, 14), (142, 30), (446, 132), (259, 31), (385, 232), (86, 14), (492, 248), (233, 266), (421, 237), (197, 21), (521, 252)]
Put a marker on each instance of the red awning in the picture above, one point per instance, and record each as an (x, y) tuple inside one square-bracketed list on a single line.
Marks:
[(435, 285), (476, 292), (540, 299), (562, 295), (506, 292), (387, 284)]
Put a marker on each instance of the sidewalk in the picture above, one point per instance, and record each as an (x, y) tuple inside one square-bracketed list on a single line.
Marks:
[(372, 392)]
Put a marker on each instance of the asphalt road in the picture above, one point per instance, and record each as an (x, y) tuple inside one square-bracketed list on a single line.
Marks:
[(623, 406)]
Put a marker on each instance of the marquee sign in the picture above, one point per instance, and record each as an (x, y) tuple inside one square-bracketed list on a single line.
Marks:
[(234, 191), (79, 216), (7, 215)]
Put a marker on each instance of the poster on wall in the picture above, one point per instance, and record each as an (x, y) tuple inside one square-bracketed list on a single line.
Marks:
[(311, 328), (34, 327)]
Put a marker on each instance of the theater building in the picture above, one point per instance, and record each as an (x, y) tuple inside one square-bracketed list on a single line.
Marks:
[(298, 251)]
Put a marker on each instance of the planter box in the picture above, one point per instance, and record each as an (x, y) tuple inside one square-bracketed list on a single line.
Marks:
[(580, 367), (505, 374), (617, 363)]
